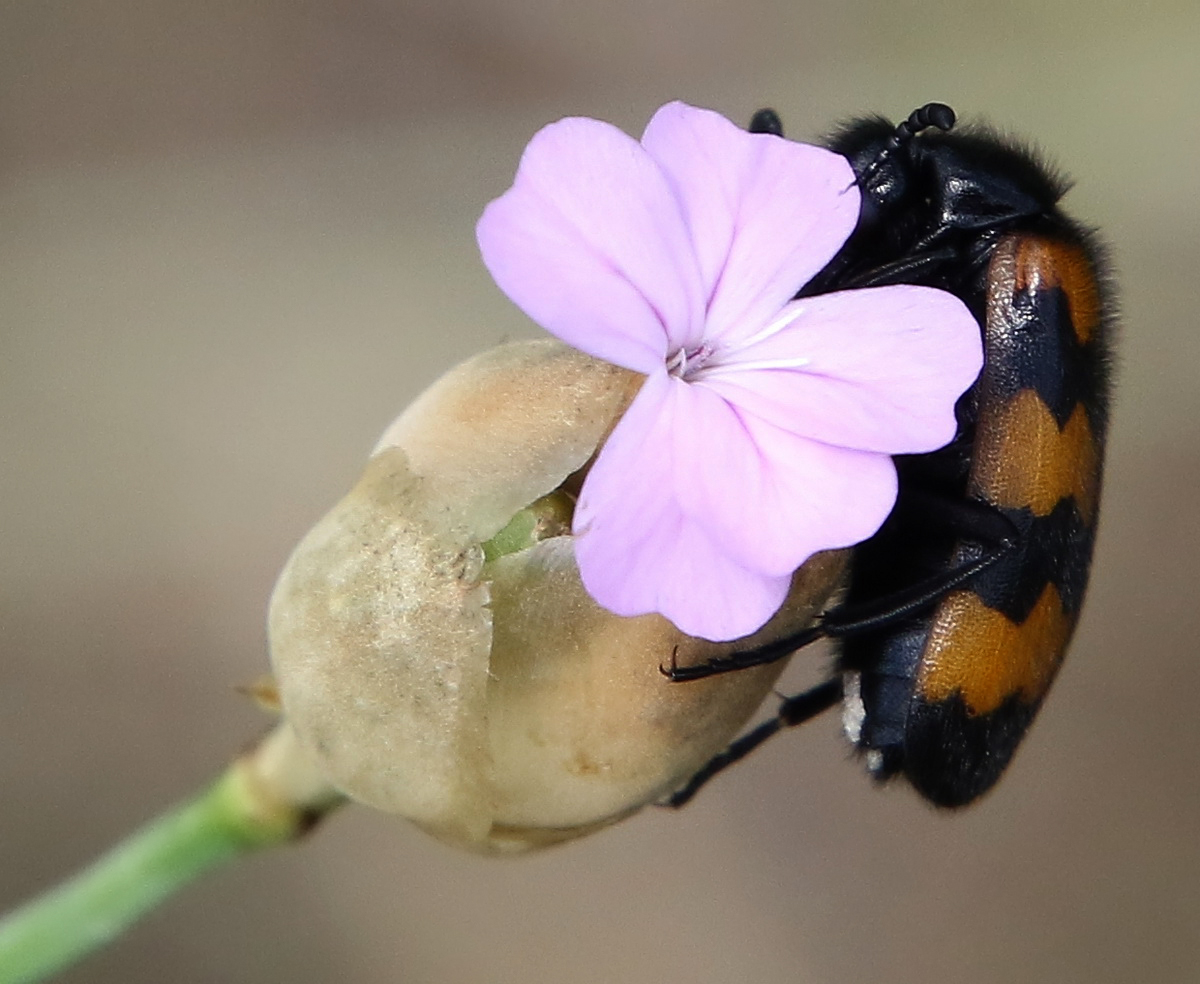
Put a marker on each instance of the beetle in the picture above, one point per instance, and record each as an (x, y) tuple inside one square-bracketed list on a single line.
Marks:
[(958, 611)]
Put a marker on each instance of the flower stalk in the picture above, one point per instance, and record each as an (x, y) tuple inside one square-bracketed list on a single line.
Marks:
[(271, 795)]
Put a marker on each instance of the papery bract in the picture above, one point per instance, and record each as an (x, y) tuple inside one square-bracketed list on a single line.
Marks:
[(439, 658), (764, 430)]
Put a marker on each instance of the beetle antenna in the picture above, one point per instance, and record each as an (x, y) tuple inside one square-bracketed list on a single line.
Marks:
[(930, 115), (766, 121)]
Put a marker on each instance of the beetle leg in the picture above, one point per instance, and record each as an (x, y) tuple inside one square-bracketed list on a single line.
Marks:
[(792, 711), (901, 271), (973, 520)]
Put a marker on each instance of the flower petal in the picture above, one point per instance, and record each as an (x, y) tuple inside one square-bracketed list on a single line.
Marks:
[(638, 552), (590, 243), (766, 214), (884, 368), (770, 498)]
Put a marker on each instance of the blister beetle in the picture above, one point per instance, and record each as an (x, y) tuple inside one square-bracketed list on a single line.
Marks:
[(959, 609)]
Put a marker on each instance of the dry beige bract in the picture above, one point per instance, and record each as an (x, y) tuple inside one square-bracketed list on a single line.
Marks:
[(492, 702)]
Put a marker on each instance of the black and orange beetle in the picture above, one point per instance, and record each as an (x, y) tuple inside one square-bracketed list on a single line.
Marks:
[(959, 610)]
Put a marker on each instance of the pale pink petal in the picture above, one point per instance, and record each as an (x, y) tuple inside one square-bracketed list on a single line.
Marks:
[(770, 498), (678, 571), (765, 214), (591, 244), (707, 594), (884, 368), (638, 553)]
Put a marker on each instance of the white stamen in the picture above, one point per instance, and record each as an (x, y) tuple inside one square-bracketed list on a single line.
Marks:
[(728, 367), (784, 319), (705, 362)]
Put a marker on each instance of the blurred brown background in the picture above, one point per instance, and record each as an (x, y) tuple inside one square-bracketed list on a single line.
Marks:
[(237, 237)]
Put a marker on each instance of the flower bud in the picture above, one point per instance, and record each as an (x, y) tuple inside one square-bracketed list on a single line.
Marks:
[(437, 652)]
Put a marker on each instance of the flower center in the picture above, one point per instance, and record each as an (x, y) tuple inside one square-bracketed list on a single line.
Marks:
[(711, 358), (684, 363)]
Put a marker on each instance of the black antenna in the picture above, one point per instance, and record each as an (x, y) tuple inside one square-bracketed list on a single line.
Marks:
[(930, 115), (766, 121)]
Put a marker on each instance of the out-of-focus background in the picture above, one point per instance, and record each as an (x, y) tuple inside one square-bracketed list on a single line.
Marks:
[(236, 238)]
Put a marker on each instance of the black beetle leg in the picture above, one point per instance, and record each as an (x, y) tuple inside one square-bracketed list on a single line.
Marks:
[(793, 711), (976, 521)]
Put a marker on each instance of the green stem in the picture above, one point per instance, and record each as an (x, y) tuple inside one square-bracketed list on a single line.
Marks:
[(270, 796)]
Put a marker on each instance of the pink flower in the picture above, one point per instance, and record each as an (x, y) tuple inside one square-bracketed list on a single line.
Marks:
[(765, 427)]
